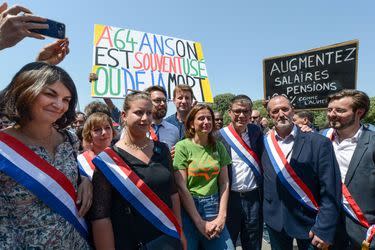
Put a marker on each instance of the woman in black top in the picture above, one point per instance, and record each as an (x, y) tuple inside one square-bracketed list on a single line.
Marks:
[(115, 222)]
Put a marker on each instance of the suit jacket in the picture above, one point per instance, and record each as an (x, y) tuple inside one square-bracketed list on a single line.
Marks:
[(256, 144), (360, 180), (314, 162)]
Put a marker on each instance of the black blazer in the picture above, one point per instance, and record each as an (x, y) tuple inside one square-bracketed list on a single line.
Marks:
[(314, 162), (360, 180)]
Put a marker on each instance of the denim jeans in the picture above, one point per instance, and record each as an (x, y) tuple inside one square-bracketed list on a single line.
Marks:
[(245, 218), (208, 208)]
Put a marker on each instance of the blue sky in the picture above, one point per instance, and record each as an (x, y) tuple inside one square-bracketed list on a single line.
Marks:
[(236, 35)]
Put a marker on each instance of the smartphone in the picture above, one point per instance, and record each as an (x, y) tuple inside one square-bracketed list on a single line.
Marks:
[(55, 30)]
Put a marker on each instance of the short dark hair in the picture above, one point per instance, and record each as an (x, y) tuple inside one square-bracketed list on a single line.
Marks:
[(360, 99), (305, 114), (243, 99), (151, 89), (96, 106), (17, 98)]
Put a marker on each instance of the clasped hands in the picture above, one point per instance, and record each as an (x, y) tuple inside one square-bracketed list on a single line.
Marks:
[(211, 229)]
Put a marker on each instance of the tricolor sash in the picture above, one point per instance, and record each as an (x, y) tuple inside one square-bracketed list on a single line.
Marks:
[(351, 207), (288, 177), (242, 149), (86, 167), (137, 193), (46, 182), (328, 133)]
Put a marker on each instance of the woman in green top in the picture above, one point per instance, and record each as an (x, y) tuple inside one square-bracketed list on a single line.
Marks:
[(200, 165)]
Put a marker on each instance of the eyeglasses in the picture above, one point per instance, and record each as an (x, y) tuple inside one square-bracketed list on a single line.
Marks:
[(254, 117), (238, 112), (159, 100)]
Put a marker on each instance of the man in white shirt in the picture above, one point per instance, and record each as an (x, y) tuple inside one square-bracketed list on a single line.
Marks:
[(160, 129), (354, 146), (243, 142)]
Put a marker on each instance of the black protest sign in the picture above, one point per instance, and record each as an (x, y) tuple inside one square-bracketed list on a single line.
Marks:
[(307, 78)]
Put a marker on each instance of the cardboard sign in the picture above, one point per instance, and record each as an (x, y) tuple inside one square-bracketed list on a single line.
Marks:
[(307, 78), (127, 59)]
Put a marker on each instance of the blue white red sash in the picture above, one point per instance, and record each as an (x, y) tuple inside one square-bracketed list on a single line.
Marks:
[(86, 167), (242, 149), (328, 133), (350, 206), (137, 193), (288, 177), (43, 180)]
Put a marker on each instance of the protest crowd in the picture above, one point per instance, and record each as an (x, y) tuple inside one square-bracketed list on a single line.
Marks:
[(132, 178)]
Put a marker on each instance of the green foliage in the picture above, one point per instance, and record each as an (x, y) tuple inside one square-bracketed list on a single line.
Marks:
[(320, 118), (370, 117), (221, 104)]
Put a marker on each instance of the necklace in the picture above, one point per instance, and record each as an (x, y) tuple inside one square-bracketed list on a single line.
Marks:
[(136, 147)]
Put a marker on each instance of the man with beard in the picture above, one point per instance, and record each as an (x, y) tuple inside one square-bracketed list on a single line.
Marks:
[(160, 129), (354, 146), (302, 187), (183, 99), (243, 142)]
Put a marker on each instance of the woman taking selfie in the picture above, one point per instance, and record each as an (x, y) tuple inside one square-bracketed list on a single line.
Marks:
[(202, 179), (42, 203), (97, 134), (135, 198)]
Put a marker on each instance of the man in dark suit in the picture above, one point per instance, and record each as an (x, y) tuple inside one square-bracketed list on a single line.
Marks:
[(354, 146), (243, 142), (302, 188)]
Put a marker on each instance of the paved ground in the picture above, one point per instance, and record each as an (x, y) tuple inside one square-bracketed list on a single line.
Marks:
[(265, 246)]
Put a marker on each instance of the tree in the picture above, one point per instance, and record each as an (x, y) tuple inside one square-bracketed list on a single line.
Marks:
[(370, 117), (221, 104)]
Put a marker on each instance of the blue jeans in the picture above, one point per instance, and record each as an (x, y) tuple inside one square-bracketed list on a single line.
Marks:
[(208, 208), (282, 241), (245, 218)]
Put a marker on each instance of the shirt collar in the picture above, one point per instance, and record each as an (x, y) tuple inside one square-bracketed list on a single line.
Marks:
[(292, 134), (353, 139), (160, 124)]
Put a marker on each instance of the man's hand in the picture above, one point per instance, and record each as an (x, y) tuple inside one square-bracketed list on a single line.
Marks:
[(55, 52), (316, 241), (15, 27)]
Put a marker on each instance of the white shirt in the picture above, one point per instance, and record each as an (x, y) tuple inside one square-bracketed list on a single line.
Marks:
[(344, 151), (243, 178), (286, 144), (168, 133)]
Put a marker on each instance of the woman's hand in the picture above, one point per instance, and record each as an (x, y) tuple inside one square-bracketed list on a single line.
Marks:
[(55, 52), (218, 225), (84, 196)]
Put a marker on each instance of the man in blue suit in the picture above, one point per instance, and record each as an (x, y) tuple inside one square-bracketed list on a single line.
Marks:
[(354, 146), (302, 187)]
